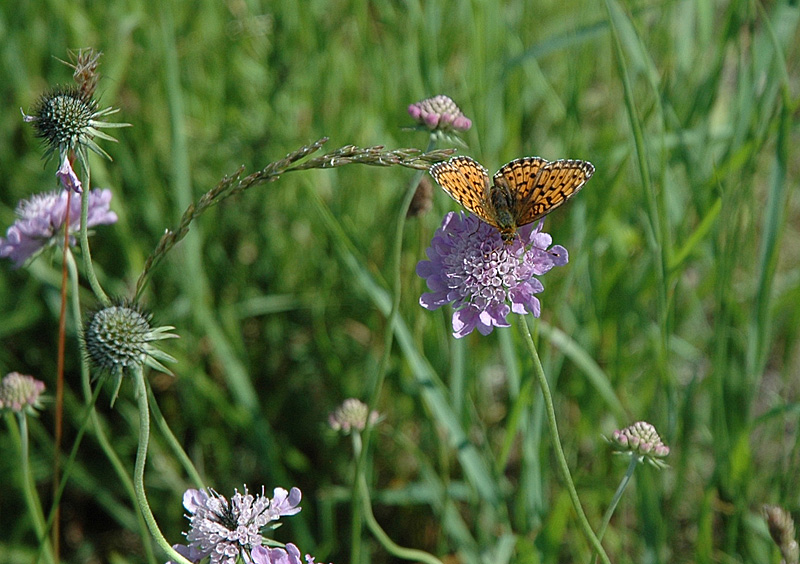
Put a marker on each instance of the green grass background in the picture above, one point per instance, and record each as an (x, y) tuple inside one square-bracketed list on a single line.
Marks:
[(680, 304)]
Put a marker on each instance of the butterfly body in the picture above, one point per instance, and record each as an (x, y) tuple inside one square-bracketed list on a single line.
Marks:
[(501, 203), (521, 192)]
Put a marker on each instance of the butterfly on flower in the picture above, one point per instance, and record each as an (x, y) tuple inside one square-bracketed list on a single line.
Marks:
[(521, 192)]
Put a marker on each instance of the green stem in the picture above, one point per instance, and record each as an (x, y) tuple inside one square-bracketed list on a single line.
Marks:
[(381, 536), (173, 442), (28, 488), (355, 503), (98, 428), (138, 471), (377, 385), (556, 440), (617, 496), (373, 525), (88, 266)]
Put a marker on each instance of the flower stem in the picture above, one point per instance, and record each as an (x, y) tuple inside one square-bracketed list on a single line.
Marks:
[(88, 266), (138, 471), (98, 428), (173, 442), (391, 547), (373, 525), (28, 489), (380, 375), (556, 440), (617, 496)]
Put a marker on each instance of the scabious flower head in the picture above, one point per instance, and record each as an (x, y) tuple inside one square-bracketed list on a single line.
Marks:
[(41, 220), (351, 415), (225, 530), (471, 268), (119, 337), (641, 440), (67, 119), (20, 393), (439, 113)]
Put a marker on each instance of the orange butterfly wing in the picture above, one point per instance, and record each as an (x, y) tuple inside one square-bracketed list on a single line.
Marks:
[(467, 182), (541, 186), (520, 174)]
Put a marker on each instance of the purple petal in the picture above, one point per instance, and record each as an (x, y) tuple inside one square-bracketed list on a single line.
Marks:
[(498, 314), (433, 301), (559, 254), (190, 553), (69, 180), (285, 503), (464, 321), (194, 499)]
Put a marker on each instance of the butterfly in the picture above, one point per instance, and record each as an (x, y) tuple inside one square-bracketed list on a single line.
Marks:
[(521, 192)]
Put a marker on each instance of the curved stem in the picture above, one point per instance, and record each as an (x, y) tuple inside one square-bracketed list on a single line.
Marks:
[(381, 536), (556, 440), (138, 471), (99, 432), (173, 442), (377, 385)]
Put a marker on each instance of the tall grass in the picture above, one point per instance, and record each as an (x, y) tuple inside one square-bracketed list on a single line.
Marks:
[(679, 304)]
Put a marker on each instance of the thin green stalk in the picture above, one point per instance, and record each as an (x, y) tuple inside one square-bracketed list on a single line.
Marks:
[(373, 525), (100, 434), (88, 266), (28, 488), (556, 440), (173, 442), (615, 501), (138, 471), (380, 535), (380, 375), (432, 390), (356, 519)]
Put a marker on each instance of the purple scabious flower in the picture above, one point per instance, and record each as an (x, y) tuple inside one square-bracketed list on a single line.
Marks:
[(225, 530), (40, 222), (439, 113), (484, 279)]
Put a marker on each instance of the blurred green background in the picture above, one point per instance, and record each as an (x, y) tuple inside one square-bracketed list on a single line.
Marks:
[(681, 297)]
